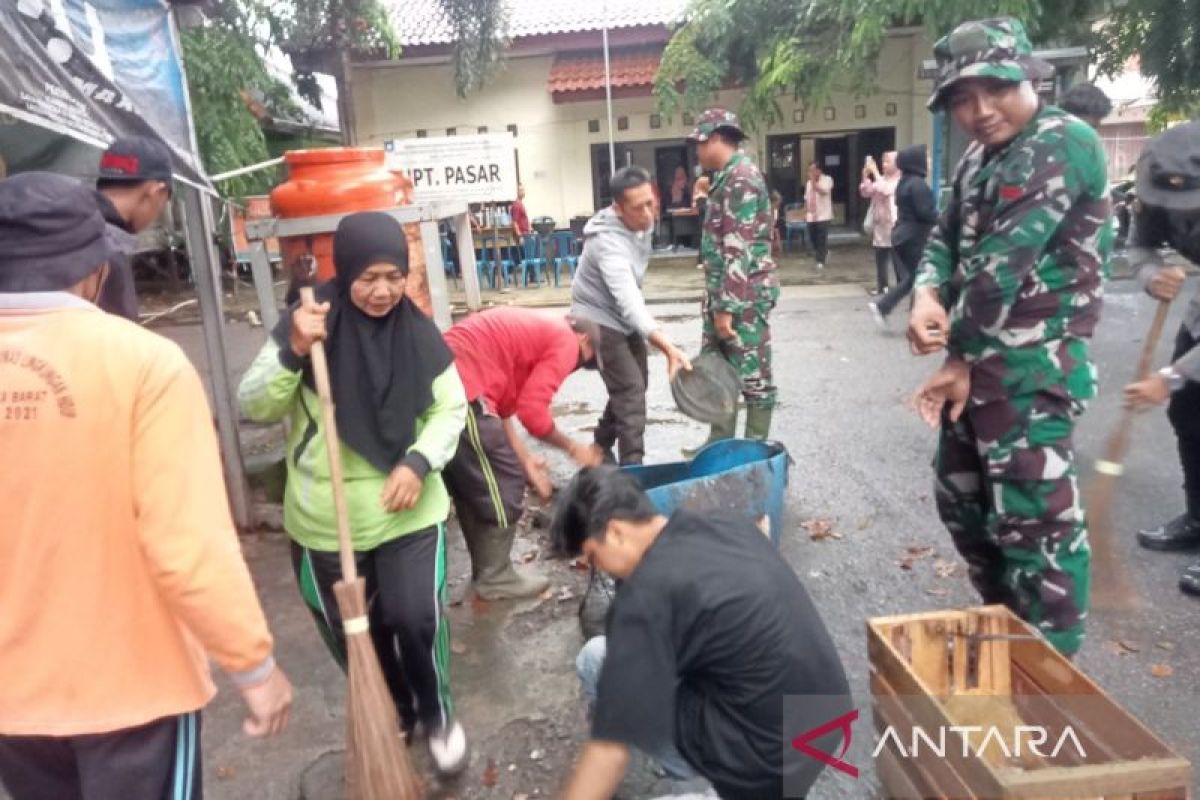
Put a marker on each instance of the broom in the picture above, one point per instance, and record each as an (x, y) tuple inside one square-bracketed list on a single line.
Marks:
[(1113, 589), (377, 765)]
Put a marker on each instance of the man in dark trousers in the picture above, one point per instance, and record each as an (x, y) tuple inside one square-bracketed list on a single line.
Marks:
[(1010, 288), (607, 289), (512, 362), (916, 214), (708, 633), (1168, 188), (740, 282), (133, 188)]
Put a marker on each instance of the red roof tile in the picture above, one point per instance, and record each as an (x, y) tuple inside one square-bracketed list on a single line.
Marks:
[(584, 72)]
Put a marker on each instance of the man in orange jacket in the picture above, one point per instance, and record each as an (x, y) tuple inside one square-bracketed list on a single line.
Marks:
[(121, 573)]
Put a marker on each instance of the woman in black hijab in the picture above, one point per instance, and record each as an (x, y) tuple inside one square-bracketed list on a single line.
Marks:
[(400, 409)]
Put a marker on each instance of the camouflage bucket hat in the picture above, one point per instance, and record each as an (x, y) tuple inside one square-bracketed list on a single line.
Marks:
[(989, 48), (714, 119)]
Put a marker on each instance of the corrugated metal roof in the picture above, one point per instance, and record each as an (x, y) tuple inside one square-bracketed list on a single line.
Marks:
[(584, 72), (422, 22)]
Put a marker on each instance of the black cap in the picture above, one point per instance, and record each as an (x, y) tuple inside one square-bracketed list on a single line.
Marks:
[(53, 233), (1168, 171), (135, 159)]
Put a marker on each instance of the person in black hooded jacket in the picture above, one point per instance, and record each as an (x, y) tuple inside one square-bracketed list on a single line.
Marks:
[(916, 214)]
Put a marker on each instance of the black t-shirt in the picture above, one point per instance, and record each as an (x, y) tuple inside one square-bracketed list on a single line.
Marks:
[(117, 295), (704, 639)]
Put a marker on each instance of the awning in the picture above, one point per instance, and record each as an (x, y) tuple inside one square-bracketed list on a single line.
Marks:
[(575, 77)]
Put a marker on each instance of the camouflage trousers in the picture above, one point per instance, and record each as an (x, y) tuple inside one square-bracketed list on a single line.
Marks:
[(1008, 491), (749, 351)]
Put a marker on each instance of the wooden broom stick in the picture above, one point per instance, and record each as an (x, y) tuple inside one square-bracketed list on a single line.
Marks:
[(1112, 587), (377, 764)]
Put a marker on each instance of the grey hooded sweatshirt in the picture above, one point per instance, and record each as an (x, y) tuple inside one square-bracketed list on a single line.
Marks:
[(607, 288)]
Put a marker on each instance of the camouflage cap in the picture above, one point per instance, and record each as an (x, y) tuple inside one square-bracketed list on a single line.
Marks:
[(986, 48), (714, 119)]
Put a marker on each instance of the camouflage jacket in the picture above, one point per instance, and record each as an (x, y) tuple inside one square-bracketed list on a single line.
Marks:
[(1017, 257), (736, 243)]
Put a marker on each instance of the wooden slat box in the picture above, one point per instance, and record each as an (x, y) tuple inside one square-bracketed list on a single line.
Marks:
[(986, 672)]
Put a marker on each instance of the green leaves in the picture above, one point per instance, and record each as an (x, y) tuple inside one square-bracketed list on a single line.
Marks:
[(1165, 37), (226, 67), (813, 48), (480, 40), (223, 67)]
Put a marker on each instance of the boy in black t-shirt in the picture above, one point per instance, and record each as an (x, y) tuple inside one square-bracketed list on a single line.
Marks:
[(709, 630)]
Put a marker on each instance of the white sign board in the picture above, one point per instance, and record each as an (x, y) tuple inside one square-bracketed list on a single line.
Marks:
[(480, 168)]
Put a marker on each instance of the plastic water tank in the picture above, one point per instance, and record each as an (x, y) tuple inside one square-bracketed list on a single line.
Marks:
[(338, 180)]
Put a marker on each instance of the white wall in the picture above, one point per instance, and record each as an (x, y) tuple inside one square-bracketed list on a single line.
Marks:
[(553, 142)]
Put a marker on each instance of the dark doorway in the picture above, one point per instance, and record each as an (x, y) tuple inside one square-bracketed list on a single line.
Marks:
[(659, 157), (841, 155), (833, 154), (666, 161), (784, 168)]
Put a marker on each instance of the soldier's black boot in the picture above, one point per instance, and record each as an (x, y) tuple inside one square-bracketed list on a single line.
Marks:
[(1190, 582), (1181, 533)]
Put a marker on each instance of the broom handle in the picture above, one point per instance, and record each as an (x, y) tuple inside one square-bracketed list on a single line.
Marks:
[(334, 448), (1118, 443)]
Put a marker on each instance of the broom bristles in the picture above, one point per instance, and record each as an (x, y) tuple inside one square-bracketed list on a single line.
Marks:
[(377, 763)]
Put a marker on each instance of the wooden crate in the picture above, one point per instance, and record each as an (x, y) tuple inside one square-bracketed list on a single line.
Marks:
[(955, 668)]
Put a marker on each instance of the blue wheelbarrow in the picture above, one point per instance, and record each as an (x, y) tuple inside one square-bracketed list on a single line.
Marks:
[(742, 475)]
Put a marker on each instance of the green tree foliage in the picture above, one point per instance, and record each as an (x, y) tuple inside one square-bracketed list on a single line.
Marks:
[(223, 67), (225, 61), (226, 65), (813, 48), (1164, 35), (480, 40)]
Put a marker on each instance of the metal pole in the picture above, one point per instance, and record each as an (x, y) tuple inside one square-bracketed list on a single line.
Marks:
[(939, 121), (234, 173), (612, 149), (264, 283), (435, 271), (466, 259), (198, 224), (496, 244)]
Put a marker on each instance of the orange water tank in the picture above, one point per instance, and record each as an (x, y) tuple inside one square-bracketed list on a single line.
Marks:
[(338, 180)]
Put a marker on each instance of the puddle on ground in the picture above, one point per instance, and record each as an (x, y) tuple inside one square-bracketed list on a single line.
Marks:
[(574, 408)]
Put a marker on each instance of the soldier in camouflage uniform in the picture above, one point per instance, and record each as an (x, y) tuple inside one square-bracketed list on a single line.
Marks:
[(1010, 287), (741, 287)]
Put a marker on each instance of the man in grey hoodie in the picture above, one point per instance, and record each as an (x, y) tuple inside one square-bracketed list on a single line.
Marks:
[(607, 290)]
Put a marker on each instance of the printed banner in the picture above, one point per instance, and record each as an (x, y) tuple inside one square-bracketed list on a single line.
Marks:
[(94, 70)]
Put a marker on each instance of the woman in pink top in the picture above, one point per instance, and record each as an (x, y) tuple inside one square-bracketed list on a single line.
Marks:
[(818, 204), (880, 189)]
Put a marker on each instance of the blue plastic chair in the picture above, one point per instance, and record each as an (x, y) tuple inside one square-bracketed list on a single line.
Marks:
[(566, 250), (794, 228), (503, 272), (485, 268), (448, 261), (534, 259)]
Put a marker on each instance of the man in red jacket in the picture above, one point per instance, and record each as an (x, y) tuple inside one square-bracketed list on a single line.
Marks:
[(511, 361)]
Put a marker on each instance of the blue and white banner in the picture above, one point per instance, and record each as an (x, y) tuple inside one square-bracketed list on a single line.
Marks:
[(94, 70)]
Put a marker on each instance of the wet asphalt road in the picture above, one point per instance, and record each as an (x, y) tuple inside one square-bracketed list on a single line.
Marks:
[(862, 463)]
